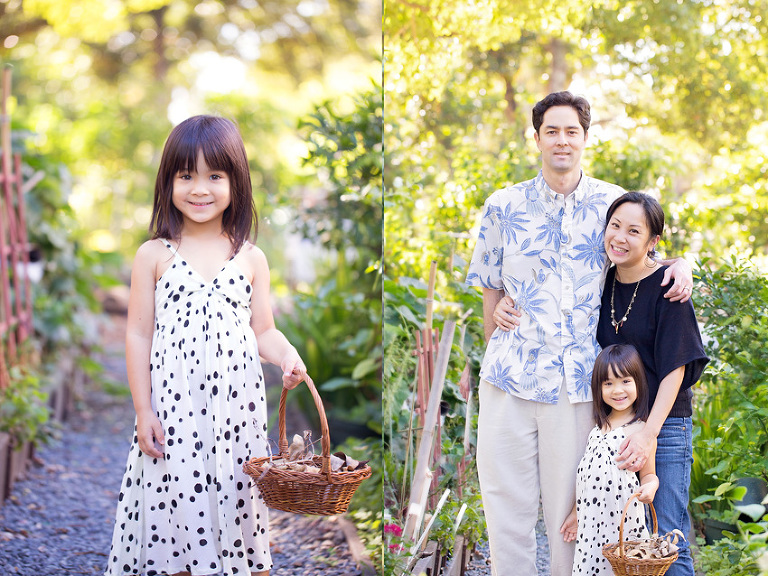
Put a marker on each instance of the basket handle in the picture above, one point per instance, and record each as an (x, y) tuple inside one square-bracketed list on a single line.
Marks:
[(325, 439), (624, 516)]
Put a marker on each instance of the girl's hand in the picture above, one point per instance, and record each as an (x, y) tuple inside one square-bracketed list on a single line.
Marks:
[(648, 489), (634, 451), (294, 371), (149, 430), (505, 315), (570, 527)]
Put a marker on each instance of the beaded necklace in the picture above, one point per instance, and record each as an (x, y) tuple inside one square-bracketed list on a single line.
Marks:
[(620, 323)]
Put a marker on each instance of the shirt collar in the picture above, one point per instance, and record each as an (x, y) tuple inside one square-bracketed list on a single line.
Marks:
[(552, 196)]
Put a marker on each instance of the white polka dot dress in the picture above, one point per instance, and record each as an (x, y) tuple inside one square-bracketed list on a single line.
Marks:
[(193, 510), (602, 491)]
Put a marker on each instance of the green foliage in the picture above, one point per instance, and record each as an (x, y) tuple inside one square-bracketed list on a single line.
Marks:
[(337, 329), (345, 150), (97, 82), (633, 166), (335, 333), (472, 525), (23, 411), (726, 211), (731, 433), (737, 554), (369, 528), (725, 557), (65, 301), (405, 314), (367, 499)]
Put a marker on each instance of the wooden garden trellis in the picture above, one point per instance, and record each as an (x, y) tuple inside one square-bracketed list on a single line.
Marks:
[(15, 289)]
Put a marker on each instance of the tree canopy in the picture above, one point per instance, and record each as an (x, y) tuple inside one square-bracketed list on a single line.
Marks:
[(98, 84)]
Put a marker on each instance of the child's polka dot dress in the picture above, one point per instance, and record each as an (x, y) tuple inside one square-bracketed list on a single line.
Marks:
[(602, 491), (193, 510)]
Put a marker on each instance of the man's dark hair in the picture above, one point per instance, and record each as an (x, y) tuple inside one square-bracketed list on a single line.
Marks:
[(578, 103)]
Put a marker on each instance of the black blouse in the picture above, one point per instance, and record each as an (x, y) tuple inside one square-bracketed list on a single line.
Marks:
[(665, 334)]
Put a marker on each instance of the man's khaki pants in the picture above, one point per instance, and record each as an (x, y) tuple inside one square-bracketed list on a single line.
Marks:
[(525, 450)]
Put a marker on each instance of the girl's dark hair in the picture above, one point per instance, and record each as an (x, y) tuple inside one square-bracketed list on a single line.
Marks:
[(654, 213), (223, 149), (565, 98), (619, 360)]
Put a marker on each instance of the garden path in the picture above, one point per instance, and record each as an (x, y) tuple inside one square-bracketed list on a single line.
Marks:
[(59, 520)]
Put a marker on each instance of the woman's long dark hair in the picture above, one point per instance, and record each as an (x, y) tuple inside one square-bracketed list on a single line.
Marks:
[(618, 360), (222, 147)]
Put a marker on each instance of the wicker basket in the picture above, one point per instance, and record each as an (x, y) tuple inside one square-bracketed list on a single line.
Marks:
[(322, 493), (623, 566)]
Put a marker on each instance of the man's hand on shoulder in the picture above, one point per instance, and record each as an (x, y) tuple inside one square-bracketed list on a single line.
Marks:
[(681, 272)]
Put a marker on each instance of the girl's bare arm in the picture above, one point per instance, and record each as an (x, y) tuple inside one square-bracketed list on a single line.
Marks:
[(273, 345), (138, 343)]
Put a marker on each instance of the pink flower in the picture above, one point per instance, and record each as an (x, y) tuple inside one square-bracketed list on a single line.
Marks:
[(396, 548), (393, 529)]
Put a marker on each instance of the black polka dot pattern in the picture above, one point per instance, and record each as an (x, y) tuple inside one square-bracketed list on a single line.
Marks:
[(602, 491), (194, 510)]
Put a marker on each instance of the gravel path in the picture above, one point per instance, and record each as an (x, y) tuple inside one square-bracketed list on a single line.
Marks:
[(59, 520)]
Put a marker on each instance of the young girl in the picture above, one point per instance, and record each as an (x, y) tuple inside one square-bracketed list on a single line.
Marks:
[(199, 318), (620, 406)]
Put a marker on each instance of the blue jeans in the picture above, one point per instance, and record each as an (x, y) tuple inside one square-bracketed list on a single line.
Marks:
[(674, 456)]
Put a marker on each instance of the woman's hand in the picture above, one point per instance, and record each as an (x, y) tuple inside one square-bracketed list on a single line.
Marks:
[(294, 371), (634, 451), (505, 315), (149, 429)]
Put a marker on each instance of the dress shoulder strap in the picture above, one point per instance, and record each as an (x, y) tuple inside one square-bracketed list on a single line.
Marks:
[(169, 246)]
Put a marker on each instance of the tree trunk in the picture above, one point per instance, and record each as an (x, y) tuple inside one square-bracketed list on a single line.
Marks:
[(161, 64), (559, 76)]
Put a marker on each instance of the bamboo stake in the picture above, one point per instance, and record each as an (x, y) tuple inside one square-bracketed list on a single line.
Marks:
[(407, 464), (459, 517), (437, 451), (417, 546), (424, 534), (423, 497), (416, 506), (431, 295), (461, 468), (422, 371)]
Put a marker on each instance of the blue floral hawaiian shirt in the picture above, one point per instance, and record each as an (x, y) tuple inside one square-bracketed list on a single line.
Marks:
[(546, 252)]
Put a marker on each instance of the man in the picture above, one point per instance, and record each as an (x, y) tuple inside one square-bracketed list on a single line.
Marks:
[(540, 243)]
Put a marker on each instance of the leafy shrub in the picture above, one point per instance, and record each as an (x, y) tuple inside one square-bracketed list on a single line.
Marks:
[(731, 409), (731, 404), (23, 410)]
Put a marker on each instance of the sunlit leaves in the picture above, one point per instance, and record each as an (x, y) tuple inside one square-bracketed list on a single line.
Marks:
[(89, 20)]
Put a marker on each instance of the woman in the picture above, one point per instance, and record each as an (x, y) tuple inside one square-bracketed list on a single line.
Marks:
[(634, 311)]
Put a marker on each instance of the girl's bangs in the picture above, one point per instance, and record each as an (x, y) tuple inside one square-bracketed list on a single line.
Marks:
[(619, 368), (184, 156)]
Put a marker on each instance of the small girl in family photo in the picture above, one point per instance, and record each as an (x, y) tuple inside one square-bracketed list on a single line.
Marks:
[(620, 407), (199, 319)]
